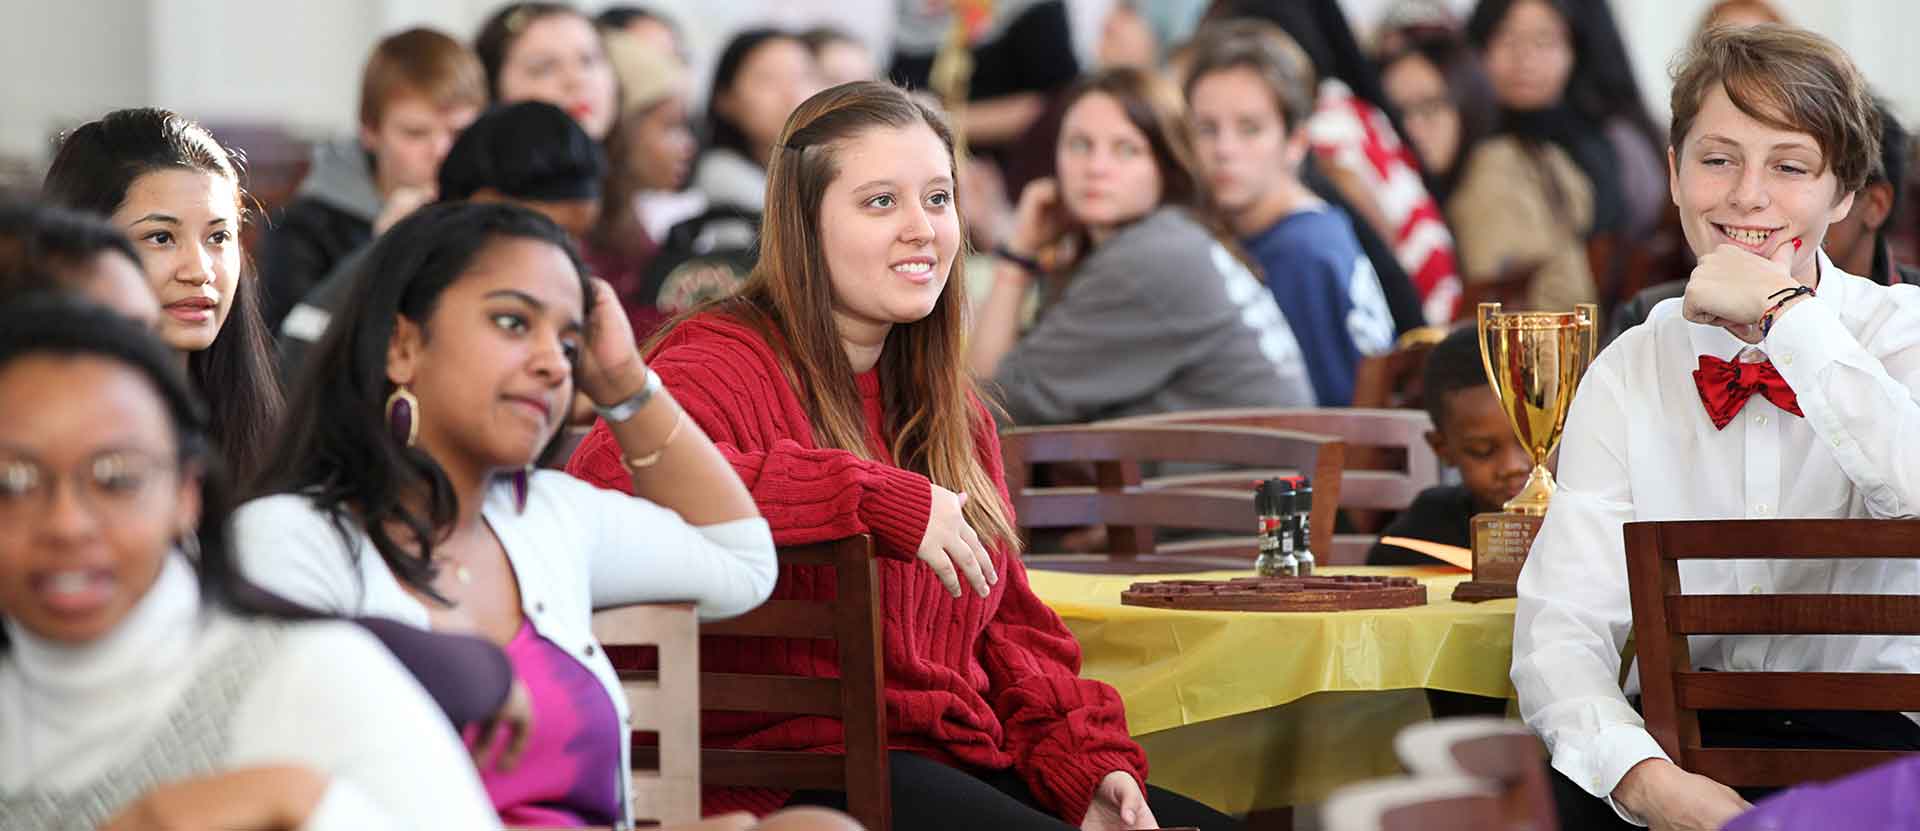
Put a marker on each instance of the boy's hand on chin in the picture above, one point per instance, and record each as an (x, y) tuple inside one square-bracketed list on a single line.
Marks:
[(1733, 287)]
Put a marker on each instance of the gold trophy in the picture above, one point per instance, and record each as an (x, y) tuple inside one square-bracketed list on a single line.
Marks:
[(952, 73), (1534, 361)]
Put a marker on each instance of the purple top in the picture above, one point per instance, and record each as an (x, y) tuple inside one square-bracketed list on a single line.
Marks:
[(569, 774), (1885, 798)]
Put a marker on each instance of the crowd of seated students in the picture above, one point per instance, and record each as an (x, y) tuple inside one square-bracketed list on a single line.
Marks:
[(528, 154), (455, 287), (1136, 268)]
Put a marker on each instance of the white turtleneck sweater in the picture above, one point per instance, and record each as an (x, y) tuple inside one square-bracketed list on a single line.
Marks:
[(327, 696)]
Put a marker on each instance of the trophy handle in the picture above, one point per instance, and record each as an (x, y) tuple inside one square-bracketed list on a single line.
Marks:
[(1484, 318), (1587, 316)]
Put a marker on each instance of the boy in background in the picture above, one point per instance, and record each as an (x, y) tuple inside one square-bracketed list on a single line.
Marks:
[(419, 89), (1470, 433)]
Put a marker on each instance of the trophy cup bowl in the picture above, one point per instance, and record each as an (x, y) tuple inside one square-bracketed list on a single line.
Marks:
[(1534, 361)]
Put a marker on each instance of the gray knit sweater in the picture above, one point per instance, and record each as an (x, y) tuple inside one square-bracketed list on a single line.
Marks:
[(1161, 317)]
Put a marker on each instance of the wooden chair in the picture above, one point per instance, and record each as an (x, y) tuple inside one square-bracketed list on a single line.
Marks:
[(666, 696), (1466, 773), (1388, 461), (1672, 693), (1490, 748), (1130, 512), (1414, 803), (1511, 288), (664, 701), (852, 621), (1393, 379)]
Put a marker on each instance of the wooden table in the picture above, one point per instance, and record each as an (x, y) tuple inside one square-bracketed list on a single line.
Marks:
[(1249, 711)]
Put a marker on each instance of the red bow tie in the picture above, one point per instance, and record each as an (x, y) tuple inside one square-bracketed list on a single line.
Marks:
[(1725, 387)]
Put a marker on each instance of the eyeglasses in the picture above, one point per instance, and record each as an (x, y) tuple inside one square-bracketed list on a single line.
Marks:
[(110, 484)]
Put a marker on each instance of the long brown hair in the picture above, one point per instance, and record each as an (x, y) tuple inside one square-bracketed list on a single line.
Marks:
[(929, 394)]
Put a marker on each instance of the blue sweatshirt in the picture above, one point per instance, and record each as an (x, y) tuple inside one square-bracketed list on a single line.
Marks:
[(1326, 286)]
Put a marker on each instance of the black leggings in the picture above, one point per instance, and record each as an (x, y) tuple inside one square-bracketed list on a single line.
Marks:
[(930, 796), (1580, 811)]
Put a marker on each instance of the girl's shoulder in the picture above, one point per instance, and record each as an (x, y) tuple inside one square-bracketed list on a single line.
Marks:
[(281, 514), (1169, 238), (717, 351)]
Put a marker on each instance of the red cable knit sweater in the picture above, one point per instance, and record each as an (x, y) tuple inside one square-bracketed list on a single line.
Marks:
[(985, 683)]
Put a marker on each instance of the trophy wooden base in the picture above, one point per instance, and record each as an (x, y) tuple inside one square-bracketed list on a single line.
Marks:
[(1500, 544)]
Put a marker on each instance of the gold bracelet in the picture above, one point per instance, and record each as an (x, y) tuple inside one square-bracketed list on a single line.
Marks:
[(637, 463)]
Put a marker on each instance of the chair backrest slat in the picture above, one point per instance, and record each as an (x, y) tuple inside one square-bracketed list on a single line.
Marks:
[(777, 619), (1796, 691), (1765, 768), (1169, 443), (1209, 510), (741, 693), (1387, 460), (1672, 693), (784, 769), (1130, 512), (1817, 614), (1795, 539)]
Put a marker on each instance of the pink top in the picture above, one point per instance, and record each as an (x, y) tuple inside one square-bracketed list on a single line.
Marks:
[(569, 774)]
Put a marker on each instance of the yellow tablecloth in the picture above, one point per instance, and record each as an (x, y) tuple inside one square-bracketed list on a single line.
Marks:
[(1268, 705)]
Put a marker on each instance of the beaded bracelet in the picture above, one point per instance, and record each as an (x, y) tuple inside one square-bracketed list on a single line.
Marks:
[(1028, 264), (1785, 295)]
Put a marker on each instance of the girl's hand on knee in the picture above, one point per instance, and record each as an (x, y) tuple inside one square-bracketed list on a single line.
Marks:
[(1118, 805)]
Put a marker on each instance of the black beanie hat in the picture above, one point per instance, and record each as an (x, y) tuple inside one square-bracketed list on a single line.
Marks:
[(528, 150)]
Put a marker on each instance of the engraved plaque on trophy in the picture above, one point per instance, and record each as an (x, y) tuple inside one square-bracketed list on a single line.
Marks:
[(1534, 361)]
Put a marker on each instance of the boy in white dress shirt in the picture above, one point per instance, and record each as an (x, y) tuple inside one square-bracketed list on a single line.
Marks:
[(1779, 386)]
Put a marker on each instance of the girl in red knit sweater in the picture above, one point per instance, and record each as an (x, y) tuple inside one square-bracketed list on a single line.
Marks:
[(836, 384)]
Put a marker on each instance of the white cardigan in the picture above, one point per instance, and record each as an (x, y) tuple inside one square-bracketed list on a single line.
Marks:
[(323, 695), (575, 548)]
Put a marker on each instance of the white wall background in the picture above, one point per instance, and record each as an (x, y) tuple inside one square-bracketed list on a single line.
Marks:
[(297, 63)]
